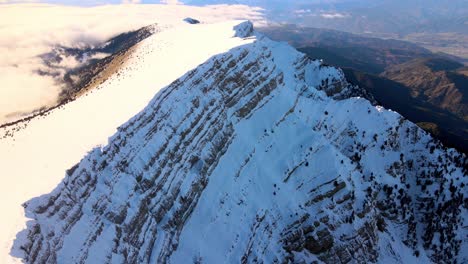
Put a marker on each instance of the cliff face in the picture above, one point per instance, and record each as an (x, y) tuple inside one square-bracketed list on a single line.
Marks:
[(257, 155)]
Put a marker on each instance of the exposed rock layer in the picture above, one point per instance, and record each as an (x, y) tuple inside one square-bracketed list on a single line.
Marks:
[(258, 155)]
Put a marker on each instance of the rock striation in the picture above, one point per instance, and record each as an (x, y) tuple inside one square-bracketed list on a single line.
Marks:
[(259, 155)]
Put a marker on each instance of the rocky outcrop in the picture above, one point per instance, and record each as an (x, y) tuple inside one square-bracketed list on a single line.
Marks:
[(191, 20), (258, 155), (244, 29)]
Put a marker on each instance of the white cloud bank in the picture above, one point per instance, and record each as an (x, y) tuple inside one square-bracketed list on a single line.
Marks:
[(171, 2), (28, 30), (334, 15), (131, 1)]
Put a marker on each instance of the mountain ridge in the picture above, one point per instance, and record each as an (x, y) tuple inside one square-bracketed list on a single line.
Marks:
[(442, 124), (415, 71), (263, 155), (65, 134)]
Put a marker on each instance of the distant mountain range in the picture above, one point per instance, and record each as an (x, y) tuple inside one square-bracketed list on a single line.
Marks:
[(397, 17), (429, 89), (436, 25), (347, 50)]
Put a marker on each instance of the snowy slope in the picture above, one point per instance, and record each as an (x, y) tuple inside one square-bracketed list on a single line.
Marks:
[(257, 155), (33, 161)]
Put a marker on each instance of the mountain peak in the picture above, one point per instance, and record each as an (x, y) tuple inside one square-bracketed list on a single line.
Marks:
[(244, 29)]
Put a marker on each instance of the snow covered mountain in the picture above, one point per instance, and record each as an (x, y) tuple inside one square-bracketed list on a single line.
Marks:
[(258, 154)]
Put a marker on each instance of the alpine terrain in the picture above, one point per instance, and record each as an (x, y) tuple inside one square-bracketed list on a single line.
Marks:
[(427, 88), (248, 152)]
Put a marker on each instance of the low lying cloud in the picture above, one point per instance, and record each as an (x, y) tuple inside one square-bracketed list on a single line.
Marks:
[(171, 2), (29, 30), (131, 1), (17, 1), (333, 15), (319, 13), (302, 11)]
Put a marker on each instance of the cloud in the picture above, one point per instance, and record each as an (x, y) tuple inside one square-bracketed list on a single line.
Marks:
[(302, 11), (17, 1), (29, 30), (171, 2), (131, 1), (333, 15)]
